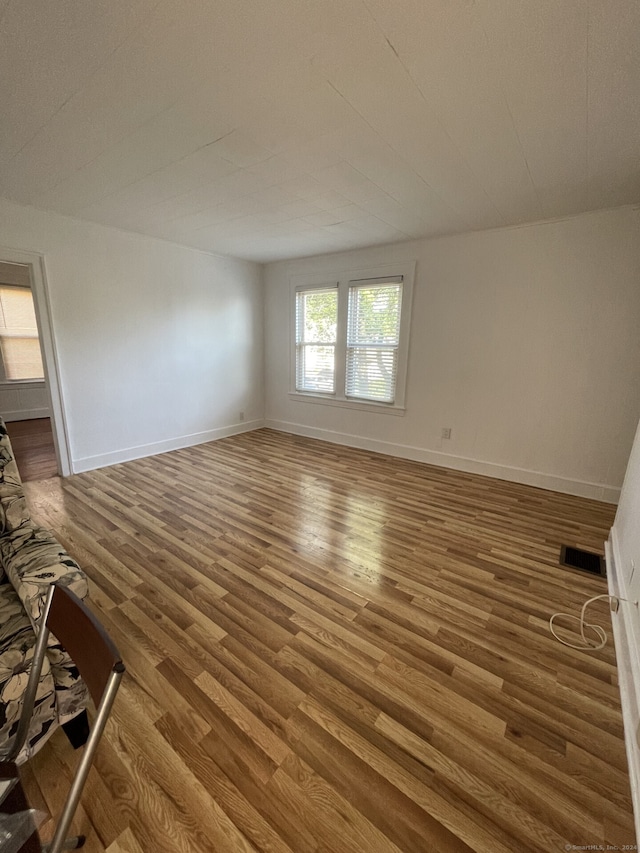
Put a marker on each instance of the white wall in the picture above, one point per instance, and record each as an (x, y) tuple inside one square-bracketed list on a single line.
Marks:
[(159, 346), (23, 401), (524, 341)]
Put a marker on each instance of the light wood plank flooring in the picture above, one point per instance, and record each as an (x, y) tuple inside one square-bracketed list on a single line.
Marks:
[(33, 448), (330, 650)]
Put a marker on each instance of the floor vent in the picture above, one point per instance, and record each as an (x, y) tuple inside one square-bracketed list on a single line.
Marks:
[(585, 561)]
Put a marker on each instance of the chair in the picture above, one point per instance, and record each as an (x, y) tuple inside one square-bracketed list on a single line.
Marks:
[(100, 666)]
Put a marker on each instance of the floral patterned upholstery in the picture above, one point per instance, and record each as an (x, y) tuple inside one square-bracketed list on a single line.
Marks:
[(30, 560)]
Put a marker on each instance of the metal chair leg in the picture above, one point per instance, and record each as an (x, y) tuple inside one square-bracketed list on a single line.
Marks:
[(70, 844)]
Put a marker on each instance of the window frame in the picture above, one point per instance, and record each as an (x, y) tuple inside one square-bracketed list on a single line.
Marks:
[(328, 287), (343, 279), (33, 381), (357, 287)]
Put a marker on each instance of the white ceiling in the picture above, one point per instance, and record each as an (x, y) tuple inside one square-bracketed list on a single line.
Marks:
[(278, 128)]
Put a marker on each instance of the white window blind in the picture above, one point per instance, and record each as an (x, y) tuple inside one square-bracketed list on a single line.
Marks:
[(316, 331), (19, 342), (373, 338)]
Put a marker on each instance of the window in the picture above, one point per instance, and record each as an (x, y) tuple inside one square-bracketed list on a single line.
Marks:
[(19, 343), (316, 331), (352, 337), (373, 337)]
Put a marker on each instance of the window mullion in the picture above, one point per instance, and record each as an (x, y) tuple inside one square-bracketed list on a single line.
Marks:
[(341, 342)]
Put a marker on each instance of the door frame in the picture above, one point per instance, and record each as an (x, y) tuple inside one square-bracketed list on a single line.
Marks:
[(40, 291)]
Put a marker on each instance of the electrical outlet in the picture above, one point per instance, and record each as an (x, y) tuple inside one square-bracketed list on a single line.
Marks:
[(241, 416), (446, 432), (614, 604)]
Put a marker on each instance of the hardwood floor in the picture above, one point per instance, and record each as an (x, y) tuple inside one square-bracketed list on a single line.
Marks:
[(330, 650), (33, 447)]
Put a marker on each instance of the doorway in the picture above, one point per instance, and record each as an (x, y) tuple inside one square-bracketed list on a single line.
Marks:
[(30, 398), (33, 448)]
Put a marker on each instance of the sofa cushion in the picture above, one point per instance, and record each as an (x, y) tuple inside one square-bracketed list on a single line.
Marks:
[(13, 506), (33, 560), (30, 561), (17, 643)]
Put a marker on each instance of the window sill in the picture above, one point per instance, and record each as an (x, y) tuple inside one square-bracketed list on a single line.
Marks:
[(378, 408), (14, 383)]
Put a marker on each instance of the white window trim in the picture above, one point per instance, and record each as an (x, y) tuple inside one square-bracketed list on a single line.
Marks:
[(313, 281)]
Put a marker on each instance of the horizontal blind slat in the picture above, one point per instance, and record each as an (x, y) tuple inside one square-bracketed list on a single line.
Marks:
[(376, 282), (371, 374), (22, 358)]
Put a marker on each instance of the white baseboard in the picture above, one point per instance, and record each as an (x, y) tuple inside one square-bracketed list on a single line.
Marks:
[(626, 635), (25, 415), (596, 491), (89, 463)]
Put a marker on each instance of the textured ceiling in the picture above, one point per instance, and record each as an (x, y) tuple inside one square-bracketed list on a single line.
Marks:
[(277, 128)]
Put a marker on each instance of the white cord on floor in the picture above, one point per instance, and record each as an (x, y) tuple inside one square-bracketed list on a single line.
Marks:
[(598, 630)]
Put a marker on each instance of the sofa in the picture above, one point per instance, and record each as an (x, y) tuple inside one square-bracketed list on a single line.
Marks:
[(30, 560)]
